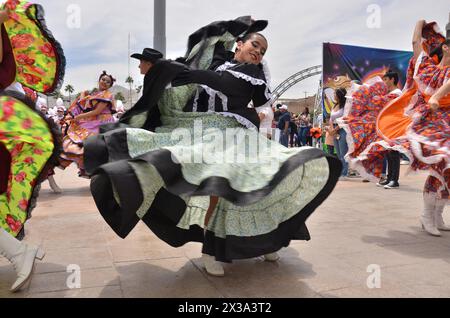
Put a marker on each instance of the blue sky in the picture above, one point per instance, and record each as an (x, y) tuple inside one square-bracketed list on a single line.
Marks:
[(296, 31)]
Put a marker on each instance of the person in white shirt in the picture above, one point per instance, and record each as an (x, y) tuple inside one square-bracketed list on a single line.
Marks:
[(339, 134), (266, 115)]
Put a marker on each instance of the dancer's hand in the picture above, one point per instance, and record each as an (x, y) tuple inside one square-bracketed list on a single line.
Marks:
[(421, 24), (434, 103), (4, 16)]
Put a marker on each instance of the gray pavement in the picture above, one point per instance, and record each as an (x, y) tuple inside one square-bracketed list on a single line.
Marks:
[(359, 229)]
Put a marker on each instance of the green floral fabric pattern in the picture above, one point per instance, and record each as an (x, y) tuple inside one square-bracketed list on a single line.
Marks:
[(28, 139), (35, 56)]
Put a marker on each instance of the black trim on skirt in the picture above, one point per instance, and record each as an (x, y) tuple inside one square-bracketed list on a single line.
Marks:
[(168, 208)]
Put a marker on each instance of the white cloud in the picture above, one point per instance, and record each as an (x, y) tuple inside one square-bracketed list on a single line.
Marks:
[(296, 32)]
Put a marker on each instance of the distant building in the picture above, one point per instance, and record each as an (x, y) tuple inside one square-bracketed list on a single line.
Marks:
[(297, 106)]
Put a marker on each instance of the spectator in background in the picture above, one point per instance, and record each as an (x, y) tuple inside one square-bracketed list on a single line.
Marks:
[(305, 126), (329, 137), (283, 125), (340, 135), (293, 131), (309, 136), (59, 116), (41, 105), (276, 118)]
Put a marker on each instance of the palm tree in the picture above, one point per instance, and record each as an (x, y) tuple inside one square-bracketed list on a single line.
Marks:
[(69, 89), (130, 81)]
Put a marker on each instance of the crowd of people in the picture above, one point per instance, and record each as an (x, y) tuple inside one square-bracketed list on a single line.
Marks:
[(238, 208), (294, 130)]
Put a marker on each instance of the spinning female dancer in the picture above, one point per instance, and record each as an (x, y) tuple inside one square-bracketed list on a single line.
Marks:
[(418, 124), (206, 174), (84, 119), (28, 143)]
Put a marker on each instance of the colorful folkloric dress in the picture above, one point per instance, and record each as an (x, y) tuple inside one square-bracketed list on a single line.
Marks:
[(27, 151), (364, 105), (207, 145), (28, 142), (32, 56), (410, 126), (79, 130)]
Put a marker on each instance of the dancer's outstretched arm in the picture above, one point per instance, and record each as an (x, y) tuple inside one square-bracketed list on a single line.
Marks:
[(441, 93), (417, 39), (223, 82)]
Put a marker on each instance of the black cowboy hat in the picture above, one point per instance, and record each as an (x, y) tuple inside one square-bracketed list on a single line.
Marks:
[(149, 55)]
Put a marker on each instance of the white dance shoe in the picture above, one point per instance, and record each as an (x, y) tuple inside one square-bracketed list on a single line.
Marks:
[(212, 267), (21, 255), (439, 220), (428, 216), (273, 257)]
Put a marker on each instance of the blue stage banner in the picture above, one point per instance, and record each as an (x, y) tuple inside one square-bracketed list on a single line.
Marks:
[(344, 64)]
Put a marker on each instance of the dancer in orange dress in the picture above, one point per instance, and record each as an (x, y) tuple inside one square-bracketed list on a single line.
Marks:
[(417, 123)]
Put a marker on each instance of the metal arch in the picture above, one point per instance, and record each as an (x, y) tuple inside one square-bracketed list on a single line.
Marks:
[(318, 109), (294, 80)]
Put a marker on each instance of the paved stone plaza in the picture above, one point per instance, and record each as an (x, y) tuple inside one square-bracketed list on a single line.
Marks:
[(358, 226)]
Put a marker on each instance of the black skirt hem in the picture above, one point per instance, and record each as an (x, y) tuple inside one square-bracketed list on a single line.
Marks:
[(168, 208), (113, 147)]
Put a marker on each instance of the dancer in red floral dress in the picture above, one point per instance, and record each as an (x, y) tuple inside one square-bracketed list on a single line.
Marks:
[(417, 124), (364, 105)]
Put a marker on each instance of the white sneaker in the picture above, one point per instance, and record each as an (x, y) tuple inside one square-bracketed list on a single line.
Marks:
[(273, 257), (212, 267)]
